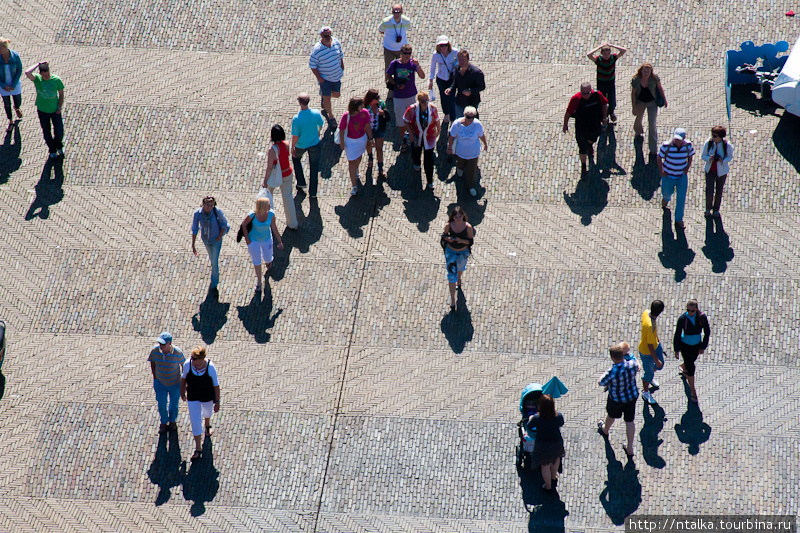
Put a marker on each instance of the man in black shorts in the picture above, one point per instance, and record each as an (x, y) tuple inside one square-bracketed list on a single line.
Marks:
[(622, 394), (590, 110)]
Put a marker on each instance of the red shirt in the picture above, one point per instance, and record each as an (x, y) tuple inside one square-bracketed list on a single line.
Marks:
[(575, 101)]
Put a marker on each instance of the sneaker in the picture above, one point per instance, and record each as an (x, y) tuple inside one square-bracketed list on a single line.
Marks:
[(664, 204), (717, 214), (60, 152), (417, 167), (655, 384), (173, 426), (162, 428), (430, 185), (459, 172), (473, 192), (648, 397)]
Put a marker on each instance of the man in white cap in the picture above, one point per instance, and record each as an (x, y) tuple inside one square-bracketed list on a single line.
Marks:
[(674, 162), (444, 63), (166, 363), (327, 64), (394, 29)]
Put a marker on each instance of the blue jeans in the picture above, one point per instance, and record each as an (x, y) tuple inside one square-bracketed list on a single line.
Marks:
[(670, 184), (174, 394), (313, 167), (649, 366), (213, 248), (448, 101)]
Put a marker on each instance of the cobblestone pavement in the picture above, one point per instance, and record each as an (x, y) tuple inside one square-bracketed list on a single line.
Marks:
[(352, 399)]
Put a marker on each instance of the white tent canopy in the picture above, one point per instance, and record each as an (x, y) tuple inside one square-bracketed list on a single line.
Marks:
[(786, 89)]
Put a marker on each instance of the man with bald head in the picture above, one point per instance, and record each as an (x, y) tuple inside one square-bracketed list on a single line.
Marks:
[(590, 110), (306, 125), (394, 29)]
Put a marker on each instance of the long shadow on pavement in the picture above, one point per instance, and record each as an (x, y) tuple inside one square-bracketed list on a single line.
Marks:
[(457, 325), (256, 317), (9, 154), (644, 177), (545, 509), (675, 253), (692, 430), (718, 245), (786, 140), (361, 208), (590, 196), (649, 435), (622, 494), (167, 469), (212, 315), (48, 190), (202, 480)]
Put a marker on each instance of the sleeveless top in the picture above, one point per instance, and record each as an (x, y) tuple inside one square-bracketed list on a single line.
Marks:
[(283, 159), (199, 388), (261, 231), (457, 246)]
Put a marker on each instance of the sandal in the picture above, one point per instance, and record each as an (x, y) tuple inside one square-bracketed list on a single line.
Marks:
[(209, 431), (693, 398), (600, 430), (196, 455)]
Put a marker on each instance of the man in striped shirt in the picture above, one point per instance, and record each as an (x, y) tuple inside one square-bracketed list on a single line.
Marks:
[(674, 162), (166, 362), (622, 394), (327, 64)]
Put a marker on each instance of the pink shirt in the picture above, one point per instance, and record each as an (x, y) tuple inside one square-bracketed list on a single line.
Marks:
[(357, 125)]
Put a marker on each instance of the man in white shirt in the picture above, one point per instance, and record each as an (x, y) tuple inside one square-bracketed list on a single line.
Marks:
[(394, 29)]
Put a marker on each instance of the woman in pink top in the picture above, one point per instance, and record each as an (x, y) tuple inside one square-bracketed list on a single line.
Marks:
[(278, 163), (354, 143)]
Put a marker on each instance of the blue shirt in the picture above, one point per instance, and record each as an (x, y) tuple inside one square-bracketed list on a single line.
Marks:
[(621, 381), (328, 60), (261, 231), (209, 224), (306, 125)]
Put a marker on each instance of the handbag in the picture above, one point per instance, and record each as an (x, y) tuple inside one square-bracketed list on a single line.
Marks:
[(240, 233), (276, 177), (660, 102)]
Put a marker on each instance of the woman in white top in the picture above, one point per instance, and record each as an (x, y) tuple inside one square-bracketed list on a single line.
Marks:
[(467, 133), (717, 153), (200, 388), (443, 66)]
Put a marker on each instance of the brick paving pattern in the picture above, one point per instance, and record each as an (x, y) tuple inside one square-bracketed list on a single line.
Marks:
[(352, 400)]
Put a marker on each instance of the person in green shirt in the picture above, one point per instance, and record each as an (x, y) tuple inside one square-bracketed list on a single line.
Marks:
[(49, 101)]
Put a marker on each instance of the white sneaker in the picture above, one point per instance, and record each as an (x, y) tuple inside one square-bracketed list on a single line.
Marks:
[(655, 383), (473, 192), (648, 397)]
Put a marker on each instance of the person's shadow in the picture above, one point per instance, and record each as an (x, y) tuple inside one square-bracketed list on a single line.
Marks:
[(786, 139), (675, 253), (590, 196), (649, 435), (2, 385), (256, 317), (546, 511), (457, 325), (421, 207), (622, 493), (330, 154), (9, 154), (644, 177), (692, 430), (310, 230), (607, 154), (718, 245), (202, 480), (167, 469), (212, 315), (49, 190), (359, 209)]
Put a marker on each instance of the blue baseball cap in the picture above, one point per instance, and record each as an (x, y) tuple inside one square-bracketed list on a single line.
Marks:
[(165, 337)]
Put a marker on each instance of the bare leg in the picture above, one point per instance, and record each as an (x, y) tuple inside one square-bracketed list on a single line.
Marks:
[(690, 381), (326, 104), (379, 150), (554, 469), (645, 386), (630, 429), (258, 274), (459, 278), (452, 294), (607, 425), (353, 168), (198, 446), (548, 482)]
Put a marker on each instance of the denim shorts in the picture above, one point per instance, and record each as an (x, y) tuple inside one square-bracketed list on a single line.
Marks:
[(456, 262), (328, 87), (376, 134)]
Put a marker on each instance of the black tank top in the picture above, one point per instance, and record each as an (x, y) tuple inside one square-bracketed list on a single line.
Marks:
[(457, 246), (199, 388)]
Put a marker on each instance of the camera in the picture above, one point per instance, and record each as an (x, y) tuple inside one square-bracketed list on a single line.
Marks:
[(398, 38), (717, 157)]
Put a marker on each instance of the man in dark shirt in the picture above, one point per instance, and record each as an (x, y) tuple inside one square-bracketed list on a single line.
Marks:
[(468, 83), (590, 109)]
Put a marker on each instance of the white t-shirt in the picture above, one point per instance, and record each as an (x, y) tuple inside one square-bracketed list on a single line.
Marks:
[(212, 371), (467, 138), (391, 30)]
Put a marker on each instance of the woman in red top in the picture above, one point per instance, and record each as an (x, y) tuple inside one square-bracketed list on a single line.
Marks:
[(422, 120), (279, 166), (354, 143)]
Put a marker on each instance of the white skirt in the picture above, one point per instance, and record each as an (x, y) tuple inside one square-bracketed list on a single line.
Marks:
[(355, 148)]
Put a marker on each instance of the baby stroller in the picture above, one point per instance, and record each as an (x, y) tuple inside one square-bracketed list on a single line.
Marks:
[(527, 436)]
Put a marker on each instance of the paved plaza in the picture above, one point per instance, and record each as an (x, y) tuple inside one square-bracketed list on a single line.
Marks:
[(353, 401)]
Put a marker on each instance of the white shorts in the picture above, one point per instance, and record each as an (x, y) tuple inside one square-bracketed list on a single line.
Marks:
[(197, 412), (355, 148), (260, 251)]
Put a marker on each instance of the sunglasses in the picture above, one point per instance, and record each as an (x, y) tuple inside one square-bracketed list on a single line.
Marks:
[(691, 310), (396, 11), (406, 53), (326, 35), (716, 137)]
